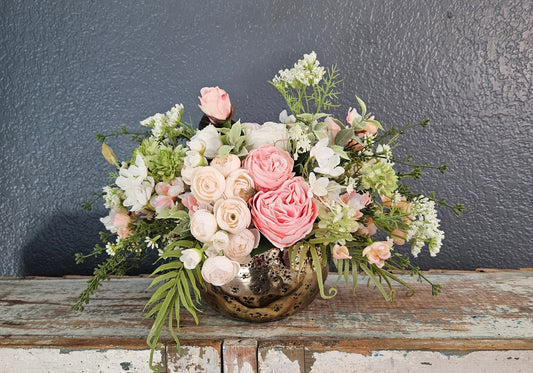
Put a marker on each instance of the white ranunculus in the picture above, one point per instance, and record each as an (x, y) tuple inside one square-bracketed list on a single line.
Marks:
[(136, 183), (328, 160), (269, 133), (219, 270), (203, 225), (190, 258), (206, 141), (220, 240), (187, 174), (226, 165)]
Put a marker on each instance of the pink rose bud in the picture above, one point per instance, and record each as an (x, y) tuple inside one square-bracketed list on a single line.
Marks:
[(215, 103)]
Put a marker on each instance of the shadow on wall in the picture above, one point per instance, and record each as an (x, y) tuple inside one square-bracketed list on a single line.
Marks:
[(51, 252)]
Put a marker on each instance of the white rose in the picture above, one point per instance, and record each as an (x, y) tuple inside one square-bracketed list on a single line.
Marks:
[(239, 184), (207, 184), (190, 258), (203, 225), (240, 246), (232, 215), (269, 133), (227, 165), (219, 270), (206, 141), (220, 240)]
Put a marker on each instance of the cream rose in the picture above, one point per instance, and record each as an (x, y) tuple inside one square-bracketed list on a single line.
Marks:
[(203, 225), (232, 215), (208, 184), (219, 270), (240, 246), (269, 133), (239, 184), (227, 164)]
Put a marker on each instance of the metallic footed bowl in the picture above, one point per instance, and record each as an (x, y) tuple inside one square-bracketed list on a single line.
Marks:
[(266, 289)]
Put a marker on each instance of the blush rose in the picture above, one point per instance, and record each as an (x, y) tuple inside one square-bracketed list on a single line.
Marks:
[(285, 215), (269, 166)]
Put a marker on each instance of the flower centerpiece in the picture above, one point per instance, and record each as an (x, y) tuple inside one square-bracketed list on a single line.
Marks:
[(209, 200)]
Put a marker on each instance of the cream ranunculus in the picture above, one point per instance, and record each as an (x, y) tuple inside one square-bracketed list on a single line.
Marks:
[(208, 184), (240, 246), (203, 225), (226, 165), (219, 270), (232, 215), (239, 184)]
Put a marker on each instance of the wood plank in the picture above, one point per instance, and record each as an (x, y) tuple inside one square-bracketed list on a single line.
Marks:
[(494, 306), (197, 356), (239, 356)]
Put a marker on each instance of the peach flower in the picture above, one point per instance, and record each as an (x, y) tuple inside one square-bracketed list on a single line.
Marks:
[(219, 270), (285, 215), (341, 252), (269, 166), (398, 237), (208, 184), (370, 228), (378, 252)]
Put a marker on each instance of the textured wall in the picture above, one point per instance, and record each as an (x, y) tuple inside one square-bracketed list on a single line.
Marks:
[(71, 69)]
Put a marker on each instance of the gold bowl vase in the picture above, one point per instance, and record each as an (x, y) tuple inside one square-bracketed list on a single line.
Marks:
[(267, 288)]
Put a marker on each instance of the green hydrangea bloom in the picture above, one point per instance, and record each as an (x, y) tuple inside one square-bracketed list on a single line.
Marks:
[(379, 176), (163, 161)]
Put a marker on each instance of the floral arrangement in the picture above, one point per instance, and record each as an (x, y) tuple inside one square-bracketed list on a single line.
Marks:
[(208, 199)]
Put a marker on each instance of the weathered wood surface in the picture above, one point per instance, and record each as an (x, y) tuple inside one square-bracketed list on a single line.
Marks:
[(475, 312)]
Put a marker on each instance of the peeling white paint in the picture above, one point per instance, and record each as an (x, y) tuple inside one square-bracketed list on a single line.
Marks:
[(45, 360), (276, 361), (195, 359), (423, 361)]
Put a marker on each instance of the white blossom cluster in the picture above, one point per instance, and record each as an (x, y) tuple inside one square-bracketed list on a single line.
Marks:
[(306, 72), (425, 227), (159, 121), (113, 197)]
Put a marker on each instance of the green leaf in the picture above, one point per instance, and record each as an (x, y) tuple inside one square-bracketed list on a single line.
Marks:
[(344, 136), (234, 133), (225, 150), (340, 152), (173, 213), (363, 106)]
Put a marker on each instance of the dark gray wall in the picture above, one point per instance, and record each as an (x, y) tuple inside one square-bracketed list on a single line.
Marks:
[(71, 69)]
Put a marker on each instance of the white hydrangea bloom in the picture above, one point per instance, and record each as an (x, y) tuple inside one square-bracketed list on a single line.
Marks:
[(113, 197), (305, 72)]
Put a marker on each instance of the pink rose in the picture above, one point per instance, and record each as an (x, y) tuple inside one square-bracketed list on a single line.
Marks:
[(269, 166), (341, 252), (284, 215), (215, 103), (378, 252)]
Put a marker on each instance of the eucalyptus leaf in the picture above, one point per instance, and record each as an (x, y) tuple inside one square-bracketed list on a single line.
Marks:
[(225, 150), (344, 136)]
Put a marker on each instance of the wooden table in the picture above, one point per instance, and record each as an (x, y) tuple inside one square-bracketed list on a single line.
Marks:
[(481, 322)]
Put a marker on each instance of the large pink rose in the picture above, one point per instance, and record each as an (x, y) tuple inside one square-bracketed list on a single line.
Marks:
[(215, 103), (269, 166), (284, 215)]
